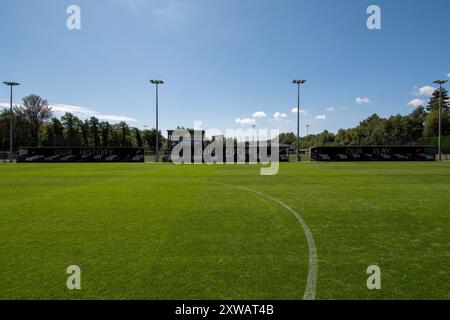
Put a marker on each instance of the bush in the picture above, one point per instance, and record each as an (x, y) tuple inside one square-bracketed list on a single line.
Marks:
[(433, 141)]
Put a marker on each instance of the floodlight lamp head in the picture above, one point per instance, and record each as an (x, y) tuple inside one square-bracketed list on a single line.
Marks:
[(12, 84)]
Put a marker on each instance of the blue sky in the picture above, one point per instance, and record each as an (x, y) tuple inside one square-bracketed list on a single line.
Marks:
[(224, 60)]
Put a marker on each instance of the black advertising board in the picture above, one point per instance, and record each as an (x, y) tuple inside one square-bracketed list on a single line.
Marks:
[(374, 153), (67, 154)]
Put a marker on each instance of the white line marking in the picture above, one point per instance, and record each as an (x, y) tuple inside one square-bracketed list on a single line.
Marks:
[(310, 291)]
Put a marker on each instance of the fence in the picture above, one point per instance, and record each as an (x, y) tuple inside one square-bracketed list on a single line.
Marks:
[(4, 156), (150, 156), (445, 143)]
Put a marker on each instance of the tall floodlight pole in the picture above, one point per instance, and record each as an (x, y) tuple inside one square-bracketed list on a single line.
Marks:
[(11, 85), (440, 83), (298, 83), (307, 129), (253, 126), (157, 83)]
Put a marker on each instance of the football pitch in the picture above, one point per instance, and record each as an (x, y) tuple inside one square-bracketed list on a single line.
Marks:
[(161, 231)]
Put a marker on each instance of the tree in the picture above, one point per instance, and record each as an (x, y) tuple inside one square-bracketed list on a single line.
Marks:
[(416, 123), (433, 104), (125, 137), (325, 138), (105, 128), (138, 137), (115, 136), (370, 131), (54, 134), (287, 138), (150, 138), (72, 125), (85, 131), (95, 131), (432, 124), (36, 111), (394, 131), (23, 130), (346, 137), (4, 129), (58, 131)]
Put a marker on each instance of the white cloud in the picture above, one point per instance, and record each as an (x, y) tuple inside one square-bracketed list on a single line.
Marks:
[(63, 108), (280, 116), (246, 121), (448, 75), (334, 109), (259, 114), (362, 100), (81, 112), (416, 102), (426, 91), (6, 104), (302, 112), (321, 117), (85, 113)]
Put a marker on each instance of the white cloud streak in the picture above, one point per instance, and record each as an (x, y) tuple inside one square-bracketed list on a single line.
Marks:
[(321, 117), (362, 100), (280, 116), (86, 113), (416, 102), (426, 91), (81, 112), (259, 114), (302, 112), (246, 121)]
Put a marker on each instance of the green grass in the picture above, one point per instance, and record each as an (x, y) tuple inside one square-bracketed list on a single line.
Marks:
[(160, 231)]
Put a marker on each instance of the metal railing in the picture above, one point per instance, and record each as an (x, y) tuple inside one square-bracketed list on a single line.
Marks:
[(4, 156), (150, 156)]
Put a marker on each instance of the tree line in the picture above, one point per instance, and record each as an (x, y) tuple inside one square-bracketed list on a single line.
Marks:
[(421, 126), (36, 126)]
